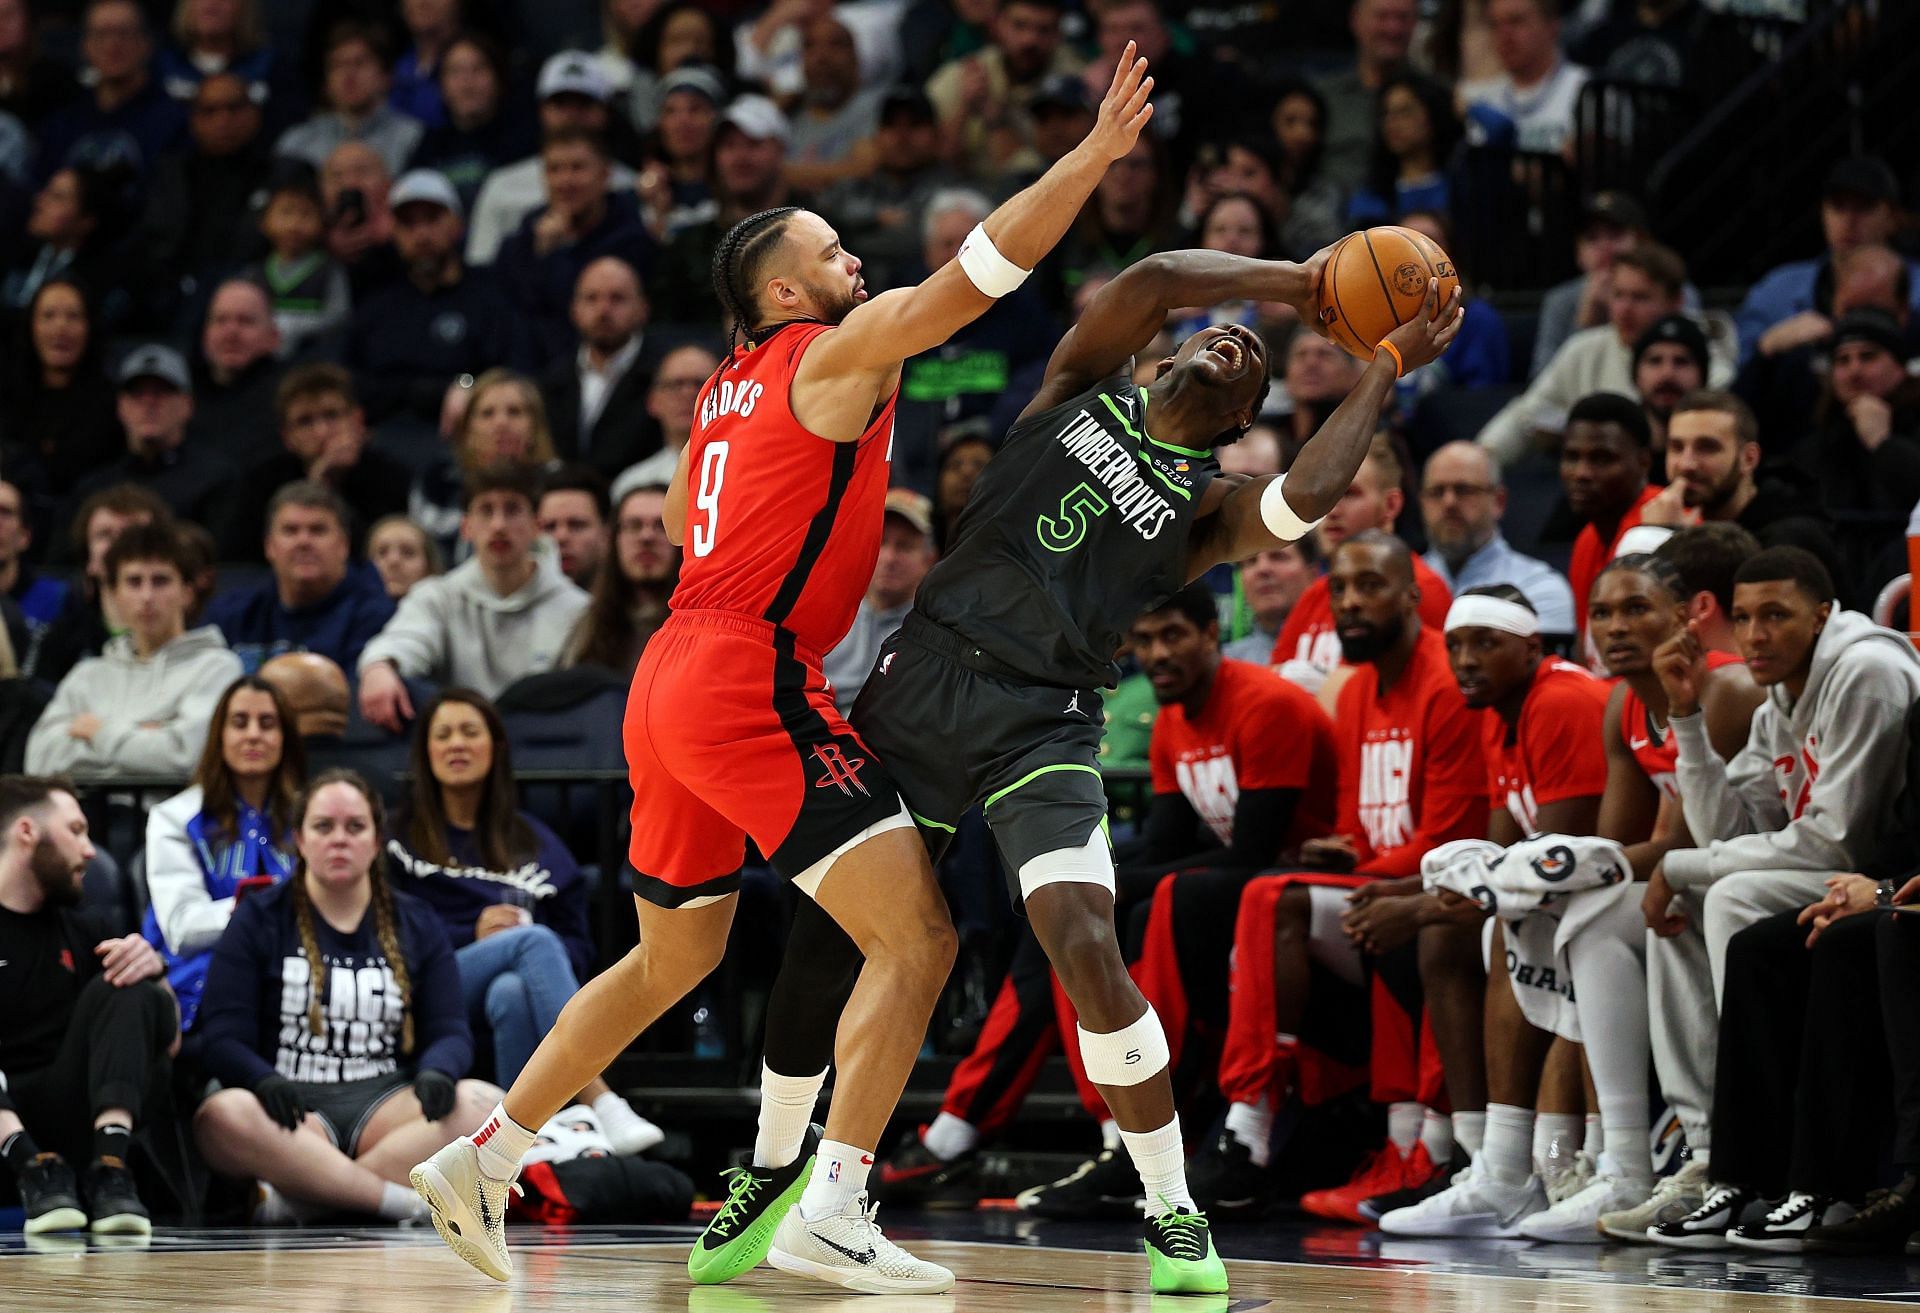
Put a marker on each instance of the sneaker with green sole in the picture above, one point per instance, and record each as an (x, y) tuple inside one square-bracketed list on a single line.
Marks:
[(1180, 1255), (738, 1237)]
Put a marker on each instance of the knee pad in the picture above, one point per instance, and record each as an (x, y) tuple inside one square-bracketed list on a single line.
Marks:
[(1090, 863), (1128, 1056), (1327, 942)]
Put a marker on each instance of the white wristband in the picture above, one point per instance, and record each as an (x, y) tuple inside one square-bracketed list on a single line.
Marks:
[(993, 273), (1280, 518)]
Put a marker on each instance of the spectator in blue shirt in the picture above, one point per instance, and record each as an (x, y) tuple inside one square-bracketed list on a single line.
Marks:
[(508, 894), (1462, 500), (1414, 135), (127, 117), (317, 600), (232, 827), (432, 26), (333, 1021)]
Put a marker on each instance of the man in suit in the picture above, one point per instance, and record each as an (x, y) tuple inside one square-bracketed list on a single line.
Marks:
[(597, 397)]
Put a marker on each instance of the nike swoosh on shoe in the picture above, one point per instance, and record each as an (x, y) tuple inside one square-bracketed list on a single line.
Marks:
[(861, 1258)]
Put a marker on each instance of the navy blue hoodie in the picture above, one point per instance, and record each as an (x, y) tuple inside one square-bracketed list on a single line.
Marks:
[(253, 1015), (258, 627)]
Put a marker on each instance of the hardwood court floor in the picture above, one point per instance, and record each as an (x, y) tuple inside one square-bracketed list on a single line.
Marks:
[(408, 1272)]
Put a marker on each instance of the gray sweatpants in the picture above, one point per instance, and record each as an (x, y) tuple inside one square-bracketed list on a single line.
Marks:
[(1686, 973)]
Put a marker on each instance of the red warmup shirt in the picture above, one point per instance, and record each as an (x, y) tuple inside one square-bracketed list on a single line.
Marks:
[(1411, 772), (1256, 731), (1556, 751), (1309, 634), (782, 525), (1590, 557), (1655, 752)]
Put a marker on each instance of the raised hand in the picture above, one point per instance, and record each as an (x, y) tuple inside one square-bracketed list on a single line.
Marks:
[(1421, 339), (1680, 664), (1125, 110)]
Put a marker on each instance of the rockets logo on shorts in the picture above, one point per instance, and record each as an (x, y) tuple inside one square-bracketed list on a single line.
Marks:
[(839, 772)]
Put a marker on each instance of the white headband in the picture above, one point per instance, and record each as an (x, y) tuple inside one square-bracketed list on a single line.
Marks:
[(1485, 612)]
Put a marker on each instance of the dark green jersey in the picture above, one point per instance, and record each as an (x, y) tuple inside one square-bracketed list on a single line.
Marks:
[(1077, 527)]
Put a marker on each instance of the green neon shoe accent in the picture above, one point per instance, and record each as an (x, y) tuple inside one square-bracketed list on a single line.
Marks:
[(1031, 776), (741, 1233), (1180, 1255)]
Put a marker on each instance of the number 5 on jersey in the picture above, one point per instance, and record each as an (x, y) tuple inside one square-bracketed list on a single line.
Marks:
[(706, 499), (1077, 509)]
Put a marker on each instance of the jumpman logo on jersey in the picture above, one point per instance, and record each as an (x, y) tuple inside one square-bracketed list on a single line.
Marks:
[(840, 773), (1073, 707), (1127, 401)]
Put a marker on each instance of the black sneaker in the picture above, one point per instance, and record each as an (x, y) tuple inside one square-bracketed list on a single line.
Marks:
[(1378, 1207), (914, 1178), (1709, 1225), (50, 1196), (1106, 1187), (117, 1209), (1225, 1181), (1882, 1227), (738, 1237), (1783, 1230)]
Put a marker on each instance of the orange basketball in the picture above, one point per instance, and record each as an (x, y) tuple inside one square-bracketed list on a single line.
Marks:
[(1376, 280)]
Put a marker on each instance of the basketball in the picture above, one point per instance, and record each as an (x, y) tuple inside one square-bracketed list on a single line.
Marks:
[(1376, 280)]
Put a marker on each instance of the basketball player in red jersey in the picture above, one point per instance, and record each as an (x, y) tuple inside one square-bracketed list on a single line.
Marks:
[(731, 728)]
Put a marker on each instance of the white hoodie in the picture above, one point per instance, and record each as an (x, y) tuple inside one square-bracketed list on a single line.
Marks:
[(1813, 788), (153, 713), (456, 631)]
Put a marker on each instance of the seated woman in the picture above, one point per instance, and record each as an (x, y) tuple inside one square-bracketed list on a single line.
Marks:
[(232, 828), (332, 1093), (503, 420), (508, 893)]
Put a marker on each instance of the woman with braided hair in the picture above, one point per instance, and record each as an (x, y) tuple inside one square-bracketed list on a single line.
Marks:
[(731, 731), (330, 1092)]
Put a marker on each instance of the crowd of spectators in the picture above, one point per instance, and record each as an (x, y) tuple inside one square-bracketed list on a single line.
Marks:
[(352, 358)]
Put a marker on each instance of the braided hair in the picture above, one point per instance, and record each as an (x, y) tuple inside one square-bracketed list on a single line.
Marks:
[(386, 917), (736, 268)]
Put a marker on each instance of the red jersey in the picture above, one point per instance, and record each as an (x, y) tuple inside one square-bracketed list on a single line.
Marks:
[(1411, 772), (1556, 750), (1590, 557), (782, 525), (1256, 731), (1654, 751), (1310, 636)]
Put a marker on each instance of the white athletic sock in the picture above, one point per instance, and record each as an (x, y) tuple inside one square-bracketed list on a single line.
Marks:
[(1161, 1161), (1596, 1141), (1403, 1126), (1507, 1152), (1624, 1118), (1556, 1138), (839, 1173), (949, 1137), (398, 1203), (501, 1142), (786, 1110), (1110, 1136), (1436, 1132), (1469, 1131), (1252, 1125)]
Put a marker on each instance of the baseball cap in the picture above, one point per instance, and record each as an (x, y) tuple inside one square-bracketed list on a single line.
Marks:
[(911, 506), (573, 73), (1061, 91), (1614, 207), (692, 77), (424, 187), (1865, 176), (156, 360), (1867, 324), (1678, 329), (759, 118), (908, 99)]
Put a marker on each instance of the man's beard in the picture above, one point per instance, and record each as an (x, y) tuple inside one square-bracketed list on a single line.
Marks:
[(54, 874), (835, 303), (1376, 642), (1716, 498)]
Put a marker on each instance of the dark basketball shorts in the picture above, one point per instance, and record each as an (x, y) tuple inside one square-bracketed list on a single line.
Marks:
[(957, 728), (731, 731)]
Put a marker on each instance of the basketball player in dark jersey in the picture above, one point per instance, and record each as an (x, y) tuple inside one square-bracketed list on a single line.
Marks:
[(1105, 499)]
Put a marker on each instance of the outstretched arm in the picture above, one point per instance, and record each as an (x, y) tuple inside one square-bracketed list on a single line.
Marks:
[(900, 324), (1124, 316), (1236, 525)]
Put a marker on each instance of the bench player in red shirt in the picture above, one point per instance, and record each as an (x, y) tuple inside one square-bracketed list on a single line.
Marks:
[(731, 728)]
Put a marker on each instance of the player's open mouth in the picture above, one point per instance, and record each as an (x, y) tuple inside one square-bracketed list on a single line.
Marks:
[(1231, 353)]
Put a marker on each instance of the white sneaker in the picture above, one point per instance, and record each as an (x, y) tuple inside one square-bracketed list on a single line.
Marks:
[(849, 1250), (1574, 1219), (1474, 1205), (626, 1130), (1674, 1196), (1568, 1177), (469, 1207)]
